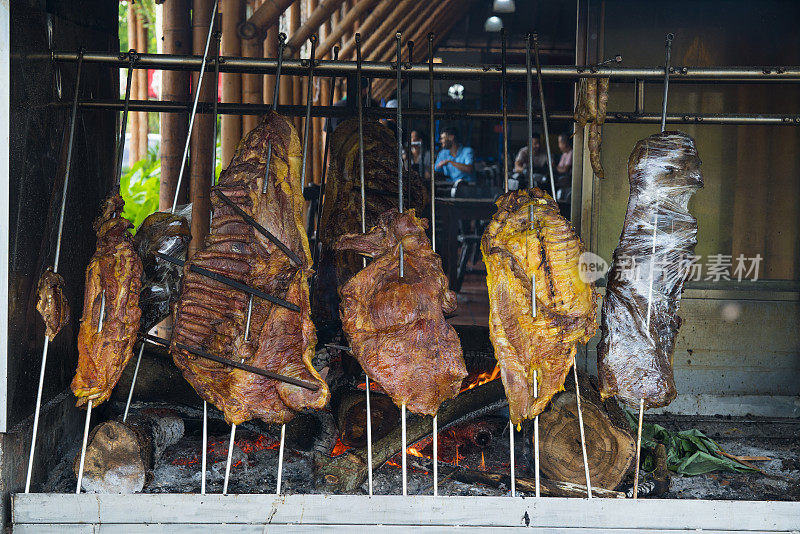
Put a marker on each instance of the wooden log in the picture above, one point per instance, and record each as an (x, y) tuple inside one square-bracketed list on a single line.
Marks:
[(295, 15), (175, 87), (387, 29), (610, 446), (548, 488), (252, 92), (270, 51), (231, 125), (414, 16), (376, 17), (263, 17), (120, 456), (202, 144), (352, 417), (345, 473), (319, 12)]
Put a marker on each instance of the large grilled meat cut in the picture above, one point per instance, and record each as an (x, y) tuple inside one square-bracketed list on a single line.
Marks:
[(634, 357), (212, 316), (395, 325), (341, 211), (514, 249), (116, 270), (51, 302)]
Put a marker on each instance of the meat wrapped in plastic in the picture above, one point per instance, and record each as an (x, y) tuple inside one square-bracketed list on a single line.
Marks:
[(165, 233), (656, 249)]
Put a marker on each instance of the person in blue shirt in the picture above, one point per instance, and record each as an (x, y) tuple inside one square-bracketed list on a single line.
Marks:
[(454, 160)]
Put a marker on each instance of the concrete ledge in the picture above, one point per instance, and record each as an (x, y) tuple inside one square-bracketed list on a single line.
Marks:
[(148, 513)]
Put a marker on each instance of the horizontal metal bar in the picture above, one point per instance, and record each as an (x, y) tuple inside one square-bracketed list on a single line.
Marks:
[(158, 106), (232, 283), (233, 363), (370, 69), (252, 222)]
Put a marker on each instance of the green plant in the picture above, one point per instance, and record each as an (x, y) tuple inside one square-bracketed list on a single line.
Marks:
[(139, 187)]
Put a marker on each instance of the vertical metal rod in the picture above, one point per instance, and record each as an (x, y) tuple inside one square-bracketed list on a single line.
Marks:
[(309, 92), (275, 102), (544, 115), (121, 144), (504, 107), (410, 46), (133, 383), (102, 317), (70, 139), (205, 451), (249, 316), (194, 106), (511, 453), (638, 449), (668, 54), (529, 110), (228, 463), (321, 201), (652, 267), (83, 447), (398, 37), (280, 459), (583, 435), (433, 240), (536, 436), (363, 230), (217, 38), (638, 96), (403, 448)]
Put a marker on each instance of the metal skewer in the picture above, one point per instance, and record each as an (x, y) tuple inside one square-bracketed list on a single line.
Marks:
[(275, 102), (360, 105), (133, 383), (321, 201), (194, 106), (433, 240), (70, 139), (204, 454), (398, 37), (280, 460), (667, 55), (544, 116)]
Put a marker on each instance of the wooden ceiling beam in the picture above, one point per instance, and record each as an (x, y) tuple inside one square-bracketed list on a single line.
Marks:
[(262, 18), (312, 24), (347, 24)]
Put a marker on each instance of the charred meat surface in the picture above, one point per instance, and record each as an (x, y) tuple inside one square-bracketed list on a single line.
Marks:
[(341, 211), (116, 271), (213, 317), (528, 236), (168, 234), (51, 302), (395, 325), (650, 264)]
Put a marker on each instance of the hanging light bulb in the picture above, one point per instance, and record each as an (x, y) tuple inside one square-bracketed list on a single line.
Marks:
[(504, 6), (493, 24)]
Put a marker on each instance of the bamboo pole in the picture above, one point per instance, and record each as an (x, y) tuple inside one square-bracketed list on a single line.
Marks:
[(350, 23), (407, 26), (174, 87), (231, 126), (388, 27), (295, 14), (264, 17), (372, 21), (320, 11), (270, 51), (142, 87), (133, 36), (252, 90), (202, 145)]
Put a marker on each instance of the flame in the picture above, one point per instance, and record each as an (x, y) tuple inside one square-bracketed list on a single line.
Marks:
[(415, 452), (457, 455), (373, 386), (482, 465), (339, 449), (481, 379)]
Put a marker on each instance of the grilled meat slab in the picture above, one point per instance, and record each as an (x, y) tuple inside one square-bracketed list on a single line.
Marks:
[(51, 303), (395, 325), (213, 317), (634, 357), (341, 211), (514, 250), (116, 269)]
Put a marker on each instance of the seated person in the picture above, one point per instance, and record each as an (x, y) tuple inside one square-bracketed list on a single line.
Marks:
[(539, 158), (454, 161), (418, 156), (565, 146)]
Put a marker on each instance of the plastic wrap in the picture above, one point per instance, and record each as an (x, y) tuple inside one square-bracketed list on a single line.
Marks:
[(656, 249), (167, 233)]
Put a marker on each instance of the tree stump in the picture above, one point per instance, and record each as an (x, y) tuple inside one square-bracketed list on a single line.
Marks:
[(352, 418), (610, 447)]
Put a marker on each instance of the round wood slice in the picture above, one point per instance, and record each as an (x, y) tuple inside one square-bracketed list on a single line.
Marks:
[(113, 462), (353, 419), (610, 450)]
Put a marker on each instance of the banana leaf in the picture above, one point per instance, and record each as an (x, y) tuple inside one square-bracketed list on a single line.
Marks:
[(689, 452)]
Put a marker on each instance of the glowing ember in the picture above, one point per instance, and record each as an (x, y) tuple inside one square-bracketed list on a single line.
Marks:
[(482, 465), (219, 449), (414, 452), (339, 449), (482, 378), (373, 386)]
